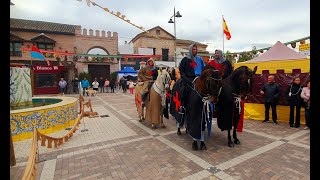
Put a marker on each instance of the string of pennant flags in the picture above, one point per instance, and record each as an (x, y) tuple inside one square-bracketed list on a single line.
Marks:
[(120, 16)]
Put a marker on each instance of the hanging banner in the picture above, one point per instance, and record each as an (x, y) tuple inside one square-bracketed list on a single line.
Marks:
[(304, 49)]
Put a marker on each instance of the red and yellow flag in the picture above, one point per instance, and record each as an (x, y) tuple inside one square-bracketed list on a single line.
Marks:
[(226, 30)]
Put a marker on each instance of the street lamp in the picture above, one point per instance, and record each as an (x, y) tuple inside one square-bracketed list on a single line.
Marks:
[(178, 15)]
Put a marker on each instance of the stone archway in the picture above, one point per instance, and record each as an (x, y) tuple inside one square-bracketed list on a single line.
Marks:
[(98, 47)]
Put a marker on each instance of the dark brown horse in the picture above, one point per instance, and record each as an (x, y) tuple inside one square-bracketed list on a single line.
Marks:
[(235, 87), (207, 88)]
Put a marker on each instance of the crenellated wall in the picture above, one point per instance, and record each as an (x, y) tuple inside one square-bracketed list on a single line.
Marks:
[(90, 39)]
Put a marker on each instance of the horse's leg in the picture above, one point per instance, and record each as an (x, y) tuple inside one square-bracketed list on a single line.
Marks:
[(236, 119), (161, 120), (230, 143)]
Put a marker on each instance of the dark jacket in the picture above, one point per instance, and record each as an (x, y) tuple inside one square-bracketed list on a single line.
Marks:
[(101, 82), (112, 83), (295, 98), (186, 70), (75, 82), (271, 92)]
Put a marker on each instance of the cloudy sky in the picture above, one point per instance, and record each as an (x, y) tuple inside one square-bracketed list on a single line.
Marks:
[(259, 23)]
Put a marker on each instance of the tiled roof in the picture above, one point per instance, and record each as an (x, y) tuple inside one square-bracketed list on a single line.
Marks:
[(42, 26), (138, 35), (183, 41)]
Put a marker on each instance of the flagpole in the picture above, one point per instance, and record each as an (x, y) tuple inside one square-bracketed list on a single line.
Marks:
[(32, 77), (222, 36)]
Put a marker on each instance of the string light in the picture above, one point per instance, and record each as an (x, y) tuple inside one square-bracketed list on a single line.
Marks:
[(120, 16)]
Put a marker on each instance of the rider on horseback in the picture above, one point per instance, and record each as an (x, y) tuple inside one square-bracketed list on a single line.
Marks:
[(152, 71), (190, 67)]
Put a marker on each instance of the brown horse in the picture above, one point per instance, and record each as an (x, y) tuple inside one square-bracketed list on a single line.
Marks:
[(235, 87), (206, 89)]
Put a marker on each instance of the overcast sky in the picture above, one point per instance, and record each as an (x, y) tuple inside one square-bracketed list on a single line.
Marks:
[(259, 23)]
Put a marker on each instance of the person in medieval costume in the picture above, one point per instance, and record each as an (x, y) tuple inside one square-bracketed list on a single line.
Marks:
[(175, 100), (219, 62), (191, 67), (152, 71)]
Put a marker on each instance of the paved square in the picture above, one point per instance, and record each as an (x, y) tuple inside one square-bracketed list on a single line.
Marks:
[(117, 146)]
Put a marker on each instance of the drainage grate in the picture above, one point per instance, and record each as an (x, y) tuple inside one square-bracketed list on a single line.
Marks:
[(104, 116), (213, 169)]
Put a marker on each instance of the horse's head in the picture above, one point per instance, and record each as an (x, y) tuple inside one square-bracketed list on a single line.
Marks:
[(243, 78), (211, 80), (165, 78)]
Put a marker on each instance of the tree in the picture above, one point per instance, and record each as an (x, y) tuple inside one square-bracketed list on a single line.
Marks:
[(229, 57), (86, 75), (114, 75)]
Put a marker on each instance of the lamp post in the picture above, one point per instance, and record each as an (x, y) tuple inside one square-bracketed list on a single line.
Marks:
[(178, 15)]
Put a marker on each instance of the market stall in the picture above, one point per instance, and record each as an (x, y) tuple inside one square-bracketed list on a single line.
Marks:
[(285, 64)]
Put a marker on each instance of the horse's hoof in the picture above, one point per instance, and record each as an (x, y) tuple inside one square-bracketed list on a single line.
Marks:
[(195, 145), (153, 126), (186, 131), (179, 132), (236, 141), (230, 144), (163, 126), (203, 146), (140, 120)]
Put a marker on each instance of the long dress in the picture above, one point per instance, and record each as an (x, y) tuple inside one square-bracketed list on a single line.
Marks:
[(153, 107)]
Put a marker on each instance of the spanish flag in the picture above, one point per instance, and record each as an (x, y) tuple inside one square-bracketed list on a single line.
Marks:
[(226, 30)]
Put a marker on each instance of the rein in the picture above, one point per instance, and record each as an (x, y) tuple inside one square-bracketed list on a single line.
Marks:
[(237, 101)]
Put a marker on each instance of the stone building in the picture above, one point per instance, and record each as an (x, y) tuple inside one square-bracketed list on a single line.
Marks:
[(65, 41), (165, 45)]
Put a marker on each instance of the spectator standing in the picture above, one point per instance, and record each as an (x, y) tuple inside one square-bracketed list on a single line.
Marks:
[(271, 91), (112, 84), (101, 84), (85, 85), (95, 84), (106, 85), (295, 102), (63, 86), (131, 86), (75, 85), (305, 95)]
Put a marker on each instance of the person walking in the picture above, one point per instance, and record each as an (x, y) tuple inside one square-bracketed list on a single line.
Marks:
[(271, 91), (95, 84), (63, 86), (85, 85), (295, 101), (305, 95)]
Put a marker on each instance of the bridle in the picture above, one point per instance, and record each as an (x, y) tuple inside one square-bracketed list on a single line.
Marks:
[(209, 80)]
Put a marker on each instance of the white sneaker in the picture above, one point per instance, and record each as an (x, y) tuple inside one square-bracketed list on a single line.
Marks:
[(306, 128)]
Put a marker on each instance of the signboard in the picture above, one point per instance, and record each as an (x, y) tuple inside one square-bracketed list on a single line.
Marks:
[(47, 69), (304, 49)]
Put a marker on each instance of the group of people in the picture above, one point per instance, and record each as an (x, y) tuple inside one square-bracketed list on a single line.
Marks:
[(297, 96)]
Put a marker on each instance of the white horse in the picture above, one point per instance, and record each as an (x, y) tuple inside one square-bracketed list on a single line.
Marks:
[(156, 99)]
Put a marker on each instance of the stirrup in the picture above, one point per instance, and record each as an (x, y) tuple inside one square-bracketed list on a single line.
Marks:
[(181, 110)]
